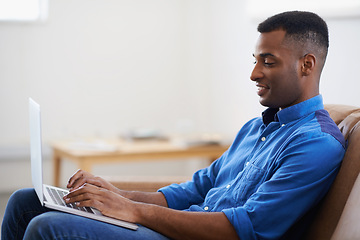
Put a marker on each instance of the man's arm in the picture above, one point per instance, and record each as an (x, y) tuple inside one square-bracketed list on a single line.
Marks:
[(156, 198), (172, 223), (184, 225)]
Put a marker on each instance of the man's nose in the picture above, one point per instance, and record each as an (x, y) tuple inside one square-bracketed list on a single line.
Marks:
[(256, 73)]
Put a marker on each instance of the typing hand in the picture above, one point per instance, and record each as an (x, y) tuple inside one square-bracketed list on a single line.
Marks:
[(81, 177), (107, 202)]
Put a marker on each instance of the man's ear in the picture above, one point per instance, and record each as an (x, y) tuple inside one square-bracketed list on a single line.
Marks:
[(308, 64)]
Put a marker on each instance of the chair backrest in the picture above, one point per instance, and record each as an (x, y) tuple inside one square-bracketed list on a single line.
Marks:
[(328, 214)]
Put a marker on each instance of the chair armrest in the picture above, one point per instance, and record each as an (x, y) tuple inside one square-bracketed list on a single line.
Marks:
[(348, 226)]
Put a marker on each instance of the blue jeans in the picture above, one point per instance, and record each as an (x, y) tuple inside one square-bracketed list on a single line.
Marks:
[(26, 218)]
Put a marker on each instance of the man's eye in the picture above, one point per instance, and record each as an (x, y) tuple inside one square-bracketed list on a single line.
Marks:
[(268, 63), (265, 62)]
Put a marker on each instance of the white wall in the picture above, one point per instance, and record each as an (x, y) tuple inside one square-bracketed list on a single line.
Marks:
[(99, 68)]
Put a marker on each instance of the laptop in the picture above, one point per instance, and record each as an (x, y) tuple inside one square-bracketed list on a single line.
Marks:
[(50, 196)]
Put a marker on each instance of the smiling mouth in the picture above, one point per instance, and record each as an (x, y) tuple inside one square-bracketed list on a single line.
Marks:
[(261, 89)]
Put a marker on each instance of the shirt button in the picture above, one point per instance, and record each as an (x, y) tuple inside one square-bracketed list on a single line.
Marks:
[(247, 163), (282, 125), (228, 186), (206, 208), (263, 139)]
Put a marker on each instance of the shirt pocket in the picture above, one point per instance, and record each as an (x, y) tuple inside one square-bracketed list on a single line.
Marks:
[(248, 181)]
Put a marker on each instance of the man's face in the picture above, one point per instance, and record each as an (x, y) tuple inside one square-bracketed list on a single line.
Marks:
[(277, 71)]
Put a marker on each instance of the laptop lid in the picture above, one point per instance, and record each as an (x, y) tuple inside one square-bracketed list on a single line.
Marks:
[(35, 148)]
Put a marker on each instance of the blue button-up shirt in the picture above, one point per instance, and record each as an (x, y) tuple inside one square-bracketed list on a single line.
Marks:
[(278, 168)]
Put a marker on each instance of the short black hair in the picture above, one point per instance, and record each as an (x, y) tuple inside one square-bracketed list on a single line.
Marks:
[(300, 26)]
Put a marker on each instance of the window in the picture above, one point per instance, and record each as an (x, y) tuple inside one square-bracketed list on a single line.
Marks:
[(23, 10), (260, 9)]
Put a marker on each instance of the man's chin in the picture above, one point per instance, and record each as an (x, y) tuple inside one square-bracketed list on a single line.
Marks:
[(266, 103), (263, 102)]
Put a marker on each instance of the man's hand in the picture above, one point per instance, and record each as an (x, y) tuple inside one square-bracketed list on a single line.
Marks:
[(81, 177), (107, 202)]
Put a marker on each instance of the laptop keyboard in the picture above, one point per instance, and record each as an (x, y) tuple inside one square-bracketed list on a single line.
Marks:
[(57, 196)]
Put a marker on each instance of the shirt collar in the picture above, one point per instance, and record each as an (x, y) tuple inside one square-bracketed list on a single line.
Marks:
[(294, 112)]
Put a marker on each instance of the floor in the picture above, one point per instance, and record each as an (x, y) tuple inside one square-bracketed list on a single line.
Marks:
[(3, 201)]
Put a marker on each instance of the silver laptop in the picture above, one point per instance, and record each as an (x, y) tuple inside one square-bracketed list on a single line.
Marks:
[(50, 196)]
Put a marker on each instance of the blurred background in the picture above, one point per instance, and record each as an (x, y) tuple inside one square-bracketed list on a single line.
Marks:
[(100, 68)]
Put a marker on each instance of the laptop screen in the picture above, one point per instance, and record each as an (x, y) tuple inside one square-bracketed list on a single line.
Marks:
[(35, 148)]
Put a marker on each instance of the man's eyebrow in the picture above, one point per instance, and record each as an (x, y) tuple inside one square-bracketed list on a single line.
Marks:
[(264, 55)]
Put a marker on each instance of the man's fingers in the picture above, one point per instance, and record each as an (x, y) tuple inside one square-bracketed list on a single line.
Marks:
[(81, 177), (86, 196), (90, 203), (77, 175), (86, 191)]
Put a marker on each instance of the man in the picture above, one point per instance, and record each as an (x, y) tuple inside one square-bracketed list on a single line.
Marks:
[(276, 171)]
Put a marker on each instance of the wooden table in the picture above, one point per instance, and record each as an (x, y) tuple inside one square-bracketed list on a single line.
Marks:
[(87, 154)]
